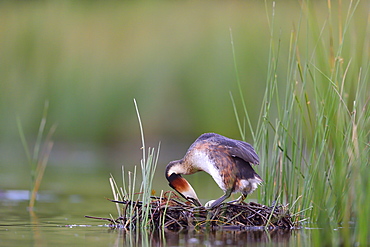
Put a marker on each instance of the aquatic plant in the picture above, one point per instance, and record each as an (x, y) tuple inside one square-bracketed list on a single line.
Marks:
[(134, 216), (41, 152)]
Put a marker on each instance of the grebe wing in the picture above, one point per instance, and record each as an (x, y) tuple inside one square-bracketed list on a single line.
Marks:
[(244, 151), (236, 148)]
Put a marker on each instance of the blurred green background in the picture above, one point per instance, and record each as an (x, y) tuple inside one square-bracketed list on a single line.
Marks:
[(90, 59)]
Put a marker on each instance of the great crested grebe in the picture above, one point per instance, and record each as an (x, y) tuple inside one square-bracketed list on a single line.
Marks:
[(228, 161)]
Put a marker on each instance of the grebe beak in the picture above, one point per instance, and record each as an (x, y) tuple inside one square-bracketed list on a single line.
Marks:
[(182, 186)]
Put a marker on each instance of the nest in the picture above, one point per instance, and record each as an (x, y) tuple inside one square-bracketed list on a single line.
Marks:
[(173, 214)]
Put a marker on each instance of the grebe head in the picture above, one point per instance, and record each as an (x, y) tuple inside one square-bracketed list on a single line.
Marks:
[(173, 174)]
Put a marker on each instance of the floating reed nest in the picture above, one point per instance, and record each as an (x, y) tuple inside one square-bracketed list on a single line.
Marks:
[(174, 214)]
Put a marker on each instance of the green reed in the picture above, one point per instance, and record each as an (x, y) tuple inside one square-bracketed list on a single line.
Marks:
[(313, 129), (40, 155)]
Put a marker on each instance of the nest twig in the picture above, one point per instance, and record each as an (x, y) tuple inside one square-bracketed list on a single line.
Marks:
[(175, 215)]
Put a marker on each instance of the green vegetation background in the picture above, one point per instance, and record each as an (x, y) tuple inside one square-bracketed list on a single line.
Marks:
[(90, 59)]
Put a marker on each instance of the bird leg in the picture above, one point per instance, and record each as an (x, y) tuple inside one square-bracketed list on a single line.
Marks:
[(221, 199)]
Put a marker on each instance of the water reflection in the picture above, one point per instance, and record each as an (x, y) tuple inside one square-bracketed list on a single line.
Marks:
[(227, 237), (202, 238)]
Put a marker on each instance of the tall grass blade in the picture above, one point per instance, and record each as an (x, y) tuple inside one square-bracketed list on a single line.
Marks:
[(24, 141), (240, 93)]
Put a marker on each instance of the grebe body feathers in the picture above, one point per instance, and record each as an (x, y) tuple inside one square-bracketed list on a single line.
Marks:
[(228, 161)]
